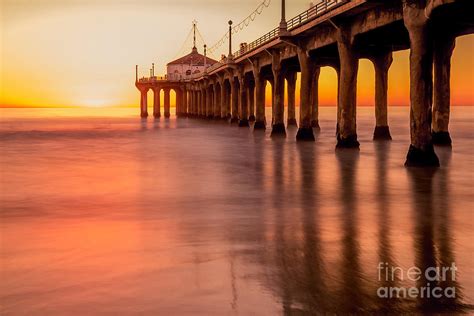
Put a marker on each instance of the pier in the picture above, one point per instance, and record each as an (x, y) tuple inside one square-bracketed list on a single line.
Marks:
[(333, 33)]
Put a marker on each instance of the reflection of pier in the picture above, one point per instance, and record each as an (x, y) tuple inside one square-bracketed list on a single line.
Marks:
[(334, 33)]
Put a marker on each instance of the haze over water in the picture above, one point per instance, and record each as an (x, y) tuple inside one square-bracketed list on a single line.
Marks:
[(188, 217)]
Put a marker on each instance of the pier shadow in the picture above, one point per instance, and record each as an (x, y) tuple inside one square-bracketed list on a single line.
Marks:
[(384, 222), (298, 274), (433, 241), (352, 294)]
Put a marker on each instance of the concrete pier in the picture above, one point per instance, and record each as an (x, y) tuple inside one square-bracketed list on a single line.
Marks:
[(202, 102), (315, 98), (224, 98), (234, 91), (421, 151), (260, 122), (243, 104), (217, 100), (251, 101), (305, 131), (167, 103), (443, 49), (278, 124), (209, 102), (291, 86), (336, 34), (346, 125), (382, 62), (156, 102), (144, 103)]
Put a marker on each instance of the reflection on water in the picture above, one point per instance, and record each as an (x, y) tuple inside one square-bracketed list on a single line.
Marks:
[(121, 215)]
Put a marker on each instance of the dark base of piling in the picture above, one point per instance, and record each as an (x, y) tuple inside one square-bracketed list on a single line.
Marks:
[(252, 118), (315, 124), (292, 122), (349, 142), (244, 123), (156, 115), (144, 115), (234, 120), (382, 133), (305, 134), (442, 138), (421, 158), (260, 125), (167, 115), (278, 130)]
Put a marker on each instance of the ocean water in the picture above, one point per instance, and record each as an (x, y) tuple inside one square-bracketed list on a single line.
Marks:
[(104, 213)]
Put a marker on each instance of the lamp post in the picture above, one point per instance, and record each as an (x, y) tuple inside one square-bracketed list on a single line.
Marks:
[(230, 41), (205, 56), (136, 73), (283, 25)]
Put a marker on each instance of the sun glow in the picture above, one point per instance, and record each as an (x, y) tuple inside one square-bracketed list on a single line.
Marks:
[(83, 54)]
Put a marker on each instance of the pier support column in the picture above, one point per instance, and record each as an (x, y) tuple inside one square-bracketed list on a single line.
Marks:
[(443, 50), (223, 103), (196, 103), (185, 102), (143, 103), (203, 103), (244, 112), (347, 99), (291, 80), (305, 131), (421, 151), (315, 98), (209, 102), (382, 62), (167, 102), (217, 101), (178, 102), (234, 88), (251, 101), (260, 122), (278, 124), (156, 102), (192, 102)]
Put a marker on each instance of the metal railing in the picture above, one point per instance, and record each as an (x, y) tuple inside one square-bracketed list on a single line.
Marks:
[(156, 79), (313, 12), (257, 43), (303, 18)]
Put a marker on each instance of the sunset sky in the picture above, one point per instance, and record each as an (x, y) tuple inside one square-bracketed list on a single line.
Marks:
[(83, 52)]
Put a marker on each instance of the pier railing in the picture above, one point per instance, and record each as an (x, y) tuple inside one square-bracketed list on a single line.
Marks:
[(303, 18), (314, 12), (245, 48)]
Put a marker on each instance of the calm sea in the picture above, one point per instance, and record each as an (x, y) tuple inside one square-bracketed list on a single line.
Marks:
[(103, 213)]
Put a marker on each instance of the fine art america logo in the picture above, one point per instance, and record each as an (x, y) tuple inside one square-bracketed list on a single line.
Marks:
[(427, 280)]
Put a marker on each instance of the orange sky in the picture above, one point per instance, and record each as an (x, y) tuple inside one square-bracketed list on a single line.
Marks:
[(83, 52)]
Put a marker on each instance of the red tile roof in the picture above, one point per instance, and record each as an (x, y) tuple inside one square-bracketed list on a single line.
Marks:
[(193, 58)]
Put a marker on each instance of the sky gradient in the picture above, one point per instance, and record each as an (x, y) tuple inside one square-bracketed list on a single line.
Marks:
[(83, 52)]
